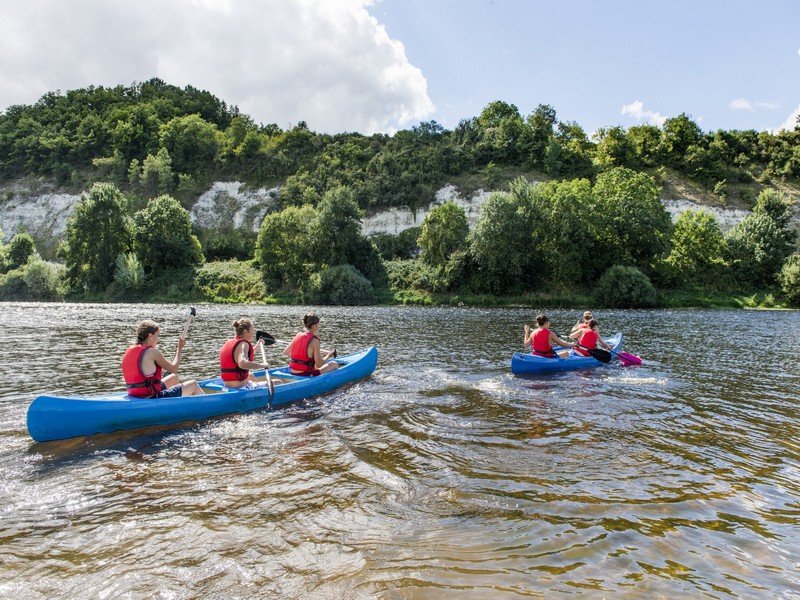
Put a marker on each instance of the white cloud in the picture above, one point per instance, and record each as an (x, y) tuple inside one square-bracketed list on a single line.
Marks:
[(636, 110), (745, 104), (329, 63), (791, 121)]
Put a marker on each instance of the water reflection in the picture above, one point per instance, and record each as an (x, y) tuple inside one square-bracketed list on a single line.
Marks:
[(441, 475)]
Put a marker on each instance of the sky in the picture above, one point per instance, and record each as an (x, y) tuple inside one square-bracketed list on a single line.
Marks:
[(382, 65)]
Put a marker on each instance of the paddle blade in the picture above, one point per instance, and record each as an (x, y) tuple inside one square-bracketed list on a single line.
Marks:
[(604, 356), (629, 359), (263, 335)]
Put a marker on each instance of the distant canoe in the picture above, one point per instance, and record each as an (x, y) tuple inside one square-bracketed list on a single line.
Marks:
[(61, 417), (528, 363)]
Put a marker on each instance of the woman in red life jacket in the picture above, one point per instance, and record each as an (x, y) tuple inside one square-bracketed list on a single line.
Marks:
[(581, 325), (305, 352), (236, 359), (542, 339), (143, 363), (590, 338)]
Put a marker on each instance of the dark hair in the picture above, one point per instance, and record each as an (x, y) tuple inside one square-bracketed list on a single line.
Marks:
[(145, 328), (242, 325), (542, 319), (310, 319), (593, 323)]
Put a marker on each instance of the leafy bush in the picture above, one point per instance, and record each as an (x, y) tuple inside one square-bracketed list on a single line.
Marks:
[(20, 249), (230, 281), (790, 279), (12, 285), (342, 285), (625, 287), (129, 272), (43, 278)]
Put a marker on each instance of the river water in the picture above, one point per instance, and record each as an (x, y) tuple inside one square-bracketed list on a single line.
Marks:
[(441, 476)]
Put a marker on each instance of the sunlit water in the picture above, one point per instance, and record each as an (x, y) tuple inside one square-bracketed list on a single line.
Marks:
[(441, 476)]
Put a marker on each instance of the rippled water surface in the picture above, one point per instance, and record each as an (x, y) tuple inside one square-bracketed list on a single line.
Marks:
[(442, 475)]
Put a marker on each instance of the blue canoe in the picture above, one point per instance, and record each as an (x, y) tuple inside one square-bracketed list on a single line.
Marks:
[(59, 417), (528, 363)]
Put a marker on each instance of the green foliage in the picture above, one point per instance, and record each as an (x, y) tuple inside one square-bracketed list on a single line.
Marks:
[(342, 285), (228, 244), (401, 246), (758, 245), (505, 252), (444, 231), (97, 232), (192, 143), (163, 238), (20, 249), (625, 287), (13, 286), (157, 176), (698, 248), (628, 219), (567, 247), (230, 281), (44, 279), (283, 247), (790, 279), (129, 272)]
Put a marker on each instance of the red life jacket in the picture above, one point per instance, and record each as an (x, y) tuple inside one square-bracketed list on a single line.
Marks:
[(139, 384), (299, 358), (229, 368), (541, 344), (588, 339)]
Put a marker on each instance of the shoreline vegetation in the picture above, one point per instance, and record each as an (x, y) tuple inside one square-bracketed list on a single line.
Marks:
[(574, 221)]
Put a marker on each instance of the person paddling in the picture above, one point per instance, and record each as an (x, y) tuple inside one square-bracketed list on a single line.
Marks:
[(582, 325), (542, 340), (143, 364), (589, 338), (305, 353), (236, 359)]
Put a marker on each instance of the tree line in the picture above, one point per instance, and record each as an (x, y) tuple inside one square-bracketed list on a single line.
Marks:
[(146, 151)]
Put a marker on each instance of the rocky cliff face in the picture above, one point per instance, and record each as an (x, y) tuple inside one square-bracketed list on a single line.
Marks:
[(44, 212)]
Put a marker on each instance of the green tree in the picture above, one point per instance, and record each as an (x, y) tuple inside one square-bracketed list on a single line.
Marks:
[(20, 249), (758, 245), (163, 239), (502, 244), (97, 232), (564, 237), (613, 148), (191, 142), (628, 218), (790, 279), (336, 231), (677, 136), (283, 246), (536, 134), (157, 177), (444, 230), (698, 247)]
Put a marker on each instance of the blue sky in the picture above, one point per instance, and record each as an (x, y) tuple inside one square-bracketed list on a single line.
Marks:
[(383, 65), (729, 64)]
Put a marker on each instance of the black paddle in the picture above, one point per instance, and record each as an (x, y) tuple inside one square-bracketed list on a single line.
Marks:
[(604, 356)]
